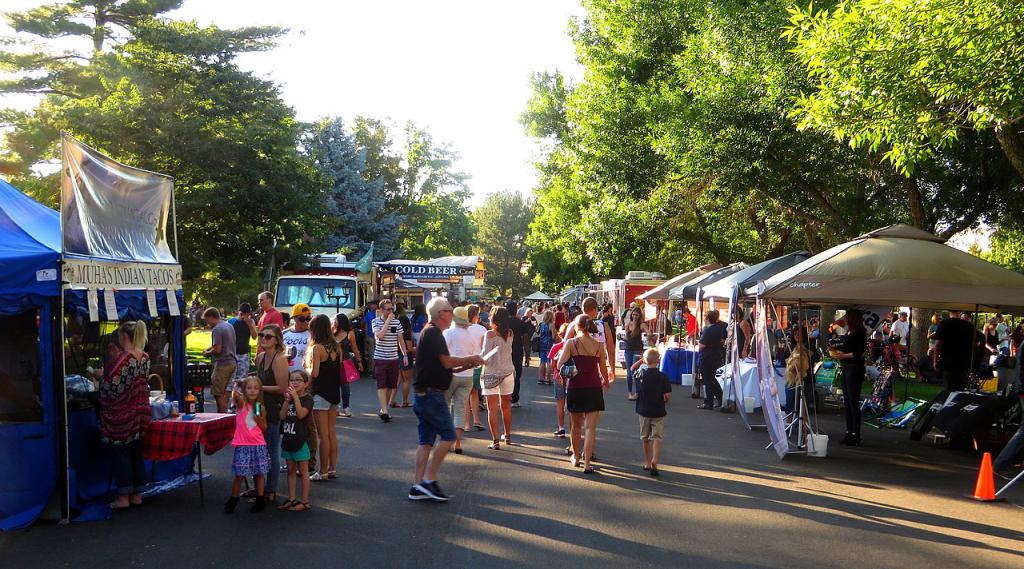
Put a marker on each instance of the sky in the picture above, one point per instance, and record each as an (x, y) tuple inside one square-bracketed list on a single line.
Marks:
[(459, 68)]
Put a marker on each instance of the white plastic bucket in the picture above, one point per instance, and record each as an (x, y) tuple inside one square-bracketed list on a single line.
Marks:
[(817, 445), (687, 379), (748, 404)]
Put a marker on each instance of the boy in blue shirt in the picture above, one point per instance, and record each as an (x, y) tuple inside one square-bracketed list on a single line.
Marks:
[(653, 391)]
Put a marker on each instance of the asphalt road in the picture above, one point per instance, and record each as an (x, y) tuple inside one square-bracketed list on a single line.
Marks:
[(722, 501)]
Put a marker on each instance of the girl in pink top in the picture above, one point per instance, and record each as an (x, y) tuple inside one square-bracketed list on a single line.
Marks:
[(251, 456)]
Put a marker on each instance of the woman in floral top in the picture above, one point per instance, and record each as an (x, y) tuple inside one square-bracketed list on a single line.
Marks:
[(125, 414)]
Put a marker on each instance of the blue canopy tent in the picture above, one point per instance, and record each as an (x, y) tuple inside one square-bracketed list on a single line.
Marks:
[(57, 453), (29, 265)]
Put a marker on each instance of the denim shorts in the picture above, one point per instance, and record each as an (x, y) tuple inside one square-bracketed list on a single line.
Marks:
[(435, 420), (321, 404)]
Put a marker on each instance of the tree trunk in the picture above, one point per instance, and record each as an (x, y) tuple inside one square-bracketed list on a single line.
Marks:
[(828, 316), (1013, 147), (919, 333), (914, 201)]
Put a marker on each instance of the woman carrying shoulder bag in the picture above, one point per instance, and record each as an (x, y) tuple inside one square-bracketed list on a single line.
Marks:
[(585, 389)]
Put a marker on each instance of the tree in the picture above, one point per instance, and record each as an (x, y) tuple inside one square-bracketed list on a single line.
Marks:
[(502, 224), (355, 201), (1008, 246), (420, 186), (169, 98), (908, 77), (680, 147)]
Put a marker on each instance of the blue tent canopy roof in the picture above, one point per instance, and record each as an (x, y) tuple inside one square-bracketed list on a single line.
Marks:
[(31, 243)]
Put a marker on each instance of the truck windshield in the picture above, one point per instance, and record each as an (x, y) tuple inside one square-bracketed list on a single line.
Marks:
[(317, 293)]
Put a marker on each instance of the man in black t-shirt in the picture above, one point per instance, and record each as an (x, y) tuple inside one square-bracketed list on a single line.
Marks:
[(434, 370), (245, 330), (954, 340), (712, 357), (519, 330)]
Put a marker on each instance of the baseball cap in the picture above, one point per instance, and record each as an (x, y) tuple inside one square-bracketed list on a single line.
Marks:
[(461, 316), (301, 309)]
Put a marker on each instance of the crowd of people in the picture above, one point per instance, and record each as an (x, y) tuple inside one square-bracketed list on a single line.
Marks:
[(448, 363), (452, 362)]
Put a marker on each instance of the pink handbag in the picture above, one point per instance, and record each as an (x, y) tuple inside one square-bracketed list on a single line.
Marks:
[(349, 369)]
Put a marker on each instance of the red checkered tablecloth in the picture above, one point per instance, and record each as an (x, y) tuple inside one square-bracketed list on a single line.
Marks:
[(168, 439)]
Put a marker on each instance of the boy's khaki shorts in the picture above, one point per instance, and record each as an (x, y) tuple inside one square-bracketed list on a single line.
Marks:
[(652, 428)]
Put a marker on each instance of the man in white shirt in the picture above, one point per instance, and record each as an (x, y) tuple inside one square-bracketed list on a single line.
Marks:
[(901, 328), (605, 336), (462, 342), (297, 336)]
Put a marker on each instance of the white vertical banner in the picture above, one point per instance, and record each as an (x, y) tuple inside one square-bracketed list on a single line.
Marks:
[(172, 303), (151, 302), (770, 406), (92, 298), (109, 305)]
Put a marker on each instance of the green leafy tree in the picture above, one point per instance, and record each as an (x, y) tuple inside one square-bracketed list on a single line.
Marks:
[(1008, 246), (168, 97), (908, 77), (421, 186), (502, 224)]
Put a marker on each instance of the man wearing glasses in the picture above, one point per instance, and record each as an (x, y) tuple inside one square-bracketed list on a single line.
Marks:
[(387, 332)]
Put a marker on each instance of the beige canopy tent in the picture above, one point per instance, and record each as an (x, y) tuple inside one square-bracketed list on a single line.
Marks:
[(899, 265), (661, 291)]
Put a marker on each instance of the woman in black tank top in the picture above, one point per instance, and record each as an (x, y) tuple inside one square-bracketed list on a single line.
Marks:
[(323, 362)]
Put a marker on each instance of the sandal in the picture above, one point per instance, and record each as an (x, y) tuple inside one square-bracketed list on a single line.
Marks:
[(317, 477), (575, 461), (394, 405), (332, 474), (287, 504), (590, 470), (406, 404), (494, 446), (300, 507), (478, 427)]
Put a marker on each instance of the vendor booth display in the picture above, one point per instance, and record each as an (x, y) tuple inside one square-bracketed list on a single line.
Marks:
[(895, 266), (106, 258)]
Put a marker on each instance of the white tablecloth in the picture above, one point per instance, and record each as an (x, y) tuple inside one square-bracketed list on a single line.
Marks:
[(749, 384)]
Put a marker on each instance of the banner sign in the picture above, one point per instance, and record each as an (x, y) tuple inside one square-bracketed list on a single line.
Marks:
[(113, 211), (418, 272), (770, 406), (89, 273)]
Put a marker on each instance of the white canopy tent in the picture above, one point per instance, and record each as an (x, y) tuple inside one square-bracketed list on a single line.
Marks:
[(747, 279), (661, 291), (539, 296), (899, 265)]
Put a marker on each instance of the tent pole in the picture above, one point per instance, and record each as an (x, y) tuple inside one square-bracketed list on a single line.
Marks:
[(64, 463), (910, 350), (974, 341)]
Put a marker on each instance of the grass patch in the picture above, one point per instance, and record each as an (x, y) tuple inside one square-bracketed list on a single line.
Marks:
[(199, 340)]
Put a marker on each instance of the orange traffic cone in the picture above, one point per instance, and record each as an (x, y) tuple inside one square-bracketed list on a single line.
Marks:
[(985, 489)]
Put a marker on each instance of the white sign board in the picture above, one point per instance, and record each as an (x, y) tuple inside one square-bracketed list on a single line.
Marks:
[(90, 273)]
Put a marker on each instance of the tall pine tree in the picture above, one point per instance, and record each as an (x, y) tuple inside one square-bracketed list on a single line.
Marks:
[(355, 202)]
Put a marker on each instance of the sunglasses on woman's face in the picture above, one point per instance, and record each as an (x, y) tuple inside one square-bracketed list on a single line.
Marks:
[(267, 336)]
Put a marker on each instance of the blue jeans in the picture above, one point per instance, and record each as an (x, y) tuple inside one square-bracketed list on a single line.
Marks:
[(346, 394), (1012, 449), (435, 420), (129, 469), (274, 448), (631, 357)]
